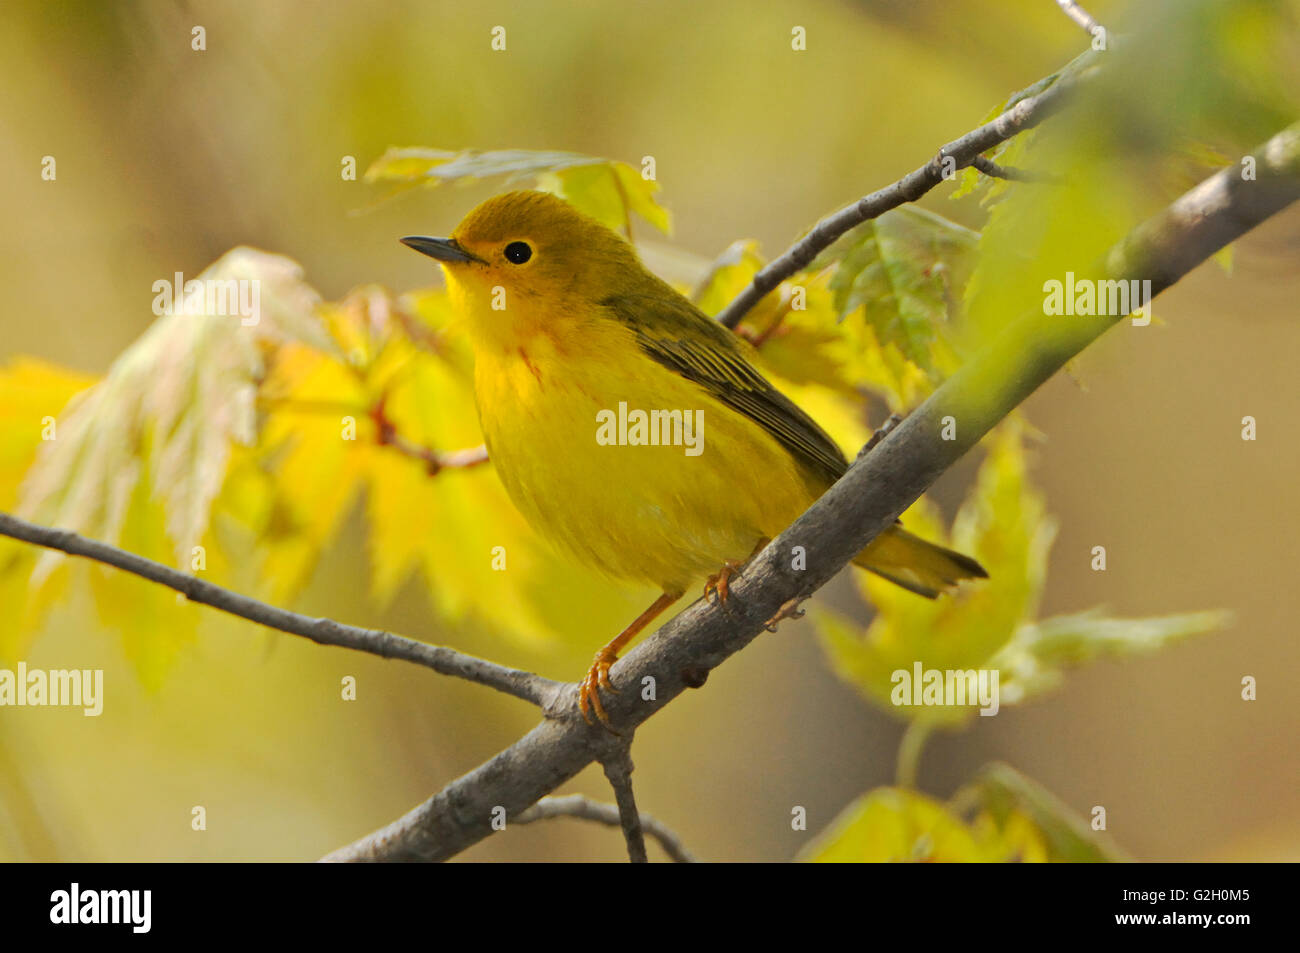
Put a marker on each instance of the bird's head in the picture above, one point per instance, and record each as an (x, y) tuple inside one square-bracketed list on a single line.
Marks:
[(528, 262)]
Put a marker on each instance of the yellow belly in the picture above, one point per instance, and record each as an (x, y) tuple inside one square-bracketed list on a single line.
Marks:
[(652, 514)]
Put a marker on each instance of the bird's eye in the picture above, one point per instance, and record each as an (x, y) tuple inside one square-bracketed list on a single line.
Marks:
[(518, 252)]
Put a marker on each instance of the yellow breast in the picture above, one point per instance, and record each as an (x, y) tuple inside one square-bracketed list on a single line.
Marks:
[(663, 498)]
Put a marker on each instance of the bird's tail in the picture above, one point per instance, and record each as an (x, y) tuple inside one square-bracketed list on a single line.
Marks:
[(918, 566)]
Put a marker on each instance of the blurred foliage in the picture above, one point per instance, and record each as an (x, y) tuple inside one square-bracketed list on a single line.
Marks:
[(1011, 820), (239, 451), (1115, 158), (894, 825), (607, 190), (990, 626)]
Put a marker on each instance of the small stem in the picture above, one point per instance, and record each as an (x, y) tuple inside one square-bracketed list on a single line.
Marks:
[(993, 170), (618, 769), (909, 752)]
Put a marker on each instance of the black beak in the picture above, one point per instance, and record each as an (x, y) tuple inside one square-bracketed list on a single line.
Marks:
[(443, 249)]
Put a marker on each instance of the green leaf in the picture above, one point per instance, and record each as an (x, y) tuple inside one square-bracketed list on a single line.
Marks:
[(1003, 524), (904, 270), (989, 624), (1005, 798), (419, 166), (606, 189), (1229, 78), (728, 275), (894, 825), (1034, 661)]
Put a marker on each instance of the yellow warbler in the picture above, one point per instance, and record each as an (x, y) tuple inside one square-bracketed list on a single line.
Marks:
[(629, 427)]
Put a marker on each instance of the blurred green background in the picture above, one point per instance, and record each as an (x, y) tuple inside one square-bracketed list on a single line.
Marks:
[(167, 157)]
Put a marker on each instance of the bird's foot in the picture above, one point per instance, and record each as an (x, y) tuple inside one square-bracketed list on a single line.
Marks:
[(589, 690), (718, 583), (789, 610)]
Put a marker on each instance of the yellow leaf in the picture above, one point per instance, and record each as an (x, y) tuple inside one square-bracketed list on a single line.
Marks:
[(1002, 524), (892, 825), (605, 189)]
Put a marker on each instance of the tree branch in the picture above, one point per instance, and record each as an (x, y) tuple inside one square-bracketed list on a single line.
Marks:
[(1047, 96), (531, 688), (618, 770), (575, 805), (869, 497)]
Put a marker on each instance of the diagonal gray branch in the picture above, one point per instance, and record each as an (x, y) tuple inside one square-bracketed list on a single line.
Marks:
[(875, 490), (1040, 101), (532, 688)]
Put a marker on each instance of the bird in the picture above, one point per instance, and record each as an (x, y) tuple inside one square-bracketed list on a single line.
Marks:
[(628, 427)]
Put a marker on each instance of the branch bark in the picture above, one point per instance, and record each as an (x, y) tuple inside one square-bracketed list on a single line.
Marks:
[(618, 770), (869, 497), (531, 688)]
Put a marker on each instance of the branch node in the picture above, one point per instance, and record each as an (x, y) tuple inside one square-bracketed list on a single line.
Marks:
[(694, 676), (881, 433)]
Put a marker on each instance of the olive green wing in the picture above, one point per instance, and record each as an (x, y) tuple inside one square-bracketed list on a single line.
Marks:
[(679, 336)]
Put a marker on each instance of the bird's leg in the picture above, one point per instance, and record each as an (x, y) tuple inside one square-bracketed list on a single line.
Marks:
[(598, 675), (789, 610)]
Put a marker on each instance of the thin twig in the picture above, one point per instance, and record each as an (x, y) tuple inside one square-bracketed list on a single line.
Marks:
[(387, 434), (1025, 114), (993, 170), (1080, 16), (618, 769), (575, 805), (525, 685), (434, 461)]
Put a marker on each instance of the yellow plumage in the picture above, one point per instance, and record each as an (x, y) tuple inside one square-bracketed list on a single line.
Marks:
[(568, 328), (645, 513)]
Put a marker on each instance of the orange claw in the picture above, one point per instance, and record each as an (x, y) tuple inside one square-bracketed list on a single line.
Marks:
[(598, 675), (596, 679), (718, 582)]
